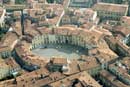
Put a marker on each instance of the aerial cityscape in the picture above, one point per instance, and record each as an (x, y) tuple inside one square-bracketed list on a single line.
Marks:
[(64, 43)]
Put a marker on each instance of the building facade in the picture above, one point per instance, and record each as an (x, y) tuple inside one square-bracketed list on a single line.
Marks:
[(82, 3), (113, 1), (43, 40), (4, 69), (5, 52), (110, 11)]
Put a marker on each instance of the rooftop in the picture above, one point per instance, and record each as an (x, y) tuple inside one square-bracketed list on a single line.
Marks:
[(4, 48), (91, 62), (9, 39), (83, 77), (59, 61), (113, 80), (118, 8), (1, 11), (3, 64)]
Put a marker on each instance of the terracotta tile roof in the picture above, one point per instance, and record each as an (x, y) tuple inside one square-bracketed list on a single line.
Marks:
[(12, 63), (3, 64), (10, 39), (82, 76), (111, 7), (112, 79), (122, 30), (59, 61), (125, 19), (89, 63), (72, 67), (4, 48)]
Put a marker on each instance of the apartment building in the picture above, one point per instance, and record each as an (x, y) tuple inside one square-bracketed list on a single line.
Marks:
[(4, 69), (110, 11), (82, 3)]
